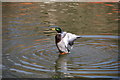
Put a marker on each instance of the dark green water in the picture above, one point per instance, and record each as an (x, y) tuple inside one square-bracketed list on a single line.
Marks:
[(29, 50)]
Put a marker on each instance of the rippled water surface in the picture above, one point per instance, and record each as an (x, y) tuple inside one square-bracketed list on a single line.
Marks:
[(29, 50)]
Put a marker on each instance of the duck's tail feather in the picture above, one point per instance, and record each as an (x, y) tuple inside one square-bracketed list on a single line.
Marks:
[(79, 37)]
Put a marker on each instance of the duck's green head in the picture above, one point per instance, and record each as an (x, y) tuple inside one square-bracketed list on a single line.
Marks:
[(59, 30)]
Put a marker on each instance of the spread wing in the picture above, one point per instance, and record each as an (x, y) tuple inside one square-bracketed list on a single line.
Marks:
[(70, 38)]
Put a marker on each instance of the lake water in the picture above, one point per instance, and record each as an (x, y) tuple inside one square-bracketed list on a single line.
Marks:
[(29, 50)]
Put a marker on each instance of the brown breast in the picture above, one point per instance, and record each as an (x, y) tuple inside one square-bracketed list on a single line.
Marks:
[(58, 38)]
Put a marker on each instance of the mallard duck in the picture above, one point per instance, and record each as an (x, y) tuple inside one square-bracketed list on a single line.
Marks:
[(64, 41)]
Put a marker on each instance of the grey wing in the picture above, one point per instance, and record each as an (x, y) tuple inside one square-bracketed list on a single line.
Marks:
[(72, 38)]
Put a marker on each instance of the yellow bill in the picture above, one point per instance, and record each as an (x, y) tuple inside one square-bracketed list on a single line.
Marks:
[(52, 28)]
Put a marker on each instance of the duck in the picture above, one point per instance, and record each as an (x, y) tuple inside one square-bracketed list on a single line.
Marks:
[(64, 40)]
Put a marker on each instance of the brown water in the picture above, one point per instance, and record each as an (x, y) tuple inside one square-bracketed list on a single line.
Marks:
[(29, 50)]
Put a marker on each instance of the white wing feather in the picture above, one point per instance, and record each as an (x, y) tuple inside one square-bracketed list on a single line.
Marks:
[(66, 38)]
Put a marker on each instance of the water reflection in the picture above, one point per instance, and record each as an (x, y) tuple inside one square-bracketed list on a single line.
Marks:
[(100, 36), (61, 67)]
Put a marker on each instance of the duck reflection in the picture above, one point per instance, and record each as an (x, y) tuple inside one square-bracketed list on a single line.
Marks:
[(61, 66)]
